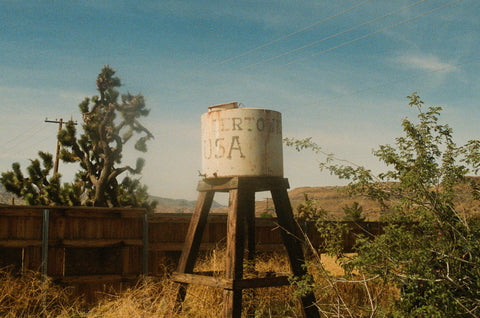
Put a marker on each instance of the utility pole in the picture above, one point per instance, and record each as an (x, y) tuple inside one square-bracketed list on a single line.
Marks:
[(60, 125)]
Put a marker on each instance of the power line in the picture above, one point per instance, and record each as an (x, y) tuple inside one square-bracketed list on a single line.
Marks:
[(294, 33), (25, 140), (328, 37), (34, 144), (334, 35), (26, 135), (408, 78), (274, 41), (367, 35), (345, 43)]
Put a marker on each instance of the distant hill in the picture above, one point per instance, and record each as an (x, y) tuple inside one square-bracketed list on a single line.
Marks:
[(166, 205), (7, 197), (332, 199)]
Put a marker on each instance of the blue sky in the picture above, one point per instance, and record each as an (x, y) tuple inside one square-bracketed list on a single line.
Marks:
[(338, 71)]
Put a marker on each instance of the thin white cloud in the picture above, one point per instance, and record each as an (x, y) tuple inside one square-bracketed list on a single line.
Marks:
[(429, 63)]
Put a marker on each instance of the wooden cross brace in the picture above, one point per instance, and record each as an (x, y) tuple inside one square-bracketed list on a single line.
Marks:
[(241, 215)]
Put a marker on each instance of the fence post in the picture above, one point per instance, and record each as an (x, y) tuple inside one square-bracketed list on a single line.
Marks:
[(45, 221), (44, 266), (145, 244)]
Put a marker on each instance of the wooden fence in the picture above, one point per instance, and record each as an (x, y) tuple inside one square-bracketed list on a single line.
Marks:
[(90, 247)]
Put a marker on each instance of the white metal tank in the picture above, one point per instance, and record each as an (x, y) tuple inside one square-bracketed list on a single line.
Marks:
[(241, 142)]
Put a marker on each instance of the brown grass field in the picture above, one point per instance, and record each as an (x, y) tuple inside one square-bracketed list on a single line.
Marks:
[(28, 296)]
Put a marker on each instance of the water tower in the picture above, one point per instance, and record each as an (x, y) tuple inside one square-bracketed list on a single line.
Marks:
[(241, 155), (241, 142)]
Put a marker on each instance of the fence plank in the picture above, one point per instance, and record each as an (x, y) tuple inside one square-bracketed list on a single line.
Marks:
[(109, 244)]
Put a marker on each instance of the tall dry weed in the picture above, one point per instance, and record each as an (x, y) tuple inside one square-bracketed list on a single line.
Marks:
[(146, 299), (28, 296), (203, 301), (355, 296)]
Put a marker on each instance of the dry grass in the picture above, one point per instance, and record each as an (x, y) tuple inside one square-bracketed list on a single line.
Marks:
[(29, 296), (355, 297), (146, 299), (204, 301), (24, 296)]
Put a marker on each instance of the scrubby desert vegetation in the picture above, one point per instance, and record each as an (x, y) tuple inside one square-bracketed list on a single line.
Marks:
[(28, 296)]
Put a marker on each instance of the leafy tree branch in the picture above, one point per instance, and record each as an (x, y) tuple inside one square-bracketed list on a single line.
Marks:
[(429, 249)]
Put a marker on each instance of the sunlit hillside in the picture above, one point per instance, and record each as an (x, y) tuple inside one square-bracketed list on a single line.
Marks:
[(332, 199)]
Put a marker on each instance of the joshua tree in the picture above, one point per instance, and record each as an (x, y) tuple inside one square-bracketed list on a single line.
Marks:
[(108, 125)]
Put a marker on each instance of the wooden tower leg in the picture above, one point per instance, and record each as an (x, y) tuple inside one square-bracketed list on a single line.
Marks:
[(251, 249), (241, 221), (250, 223), (241, 201), (192, 244), (292, 239)]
